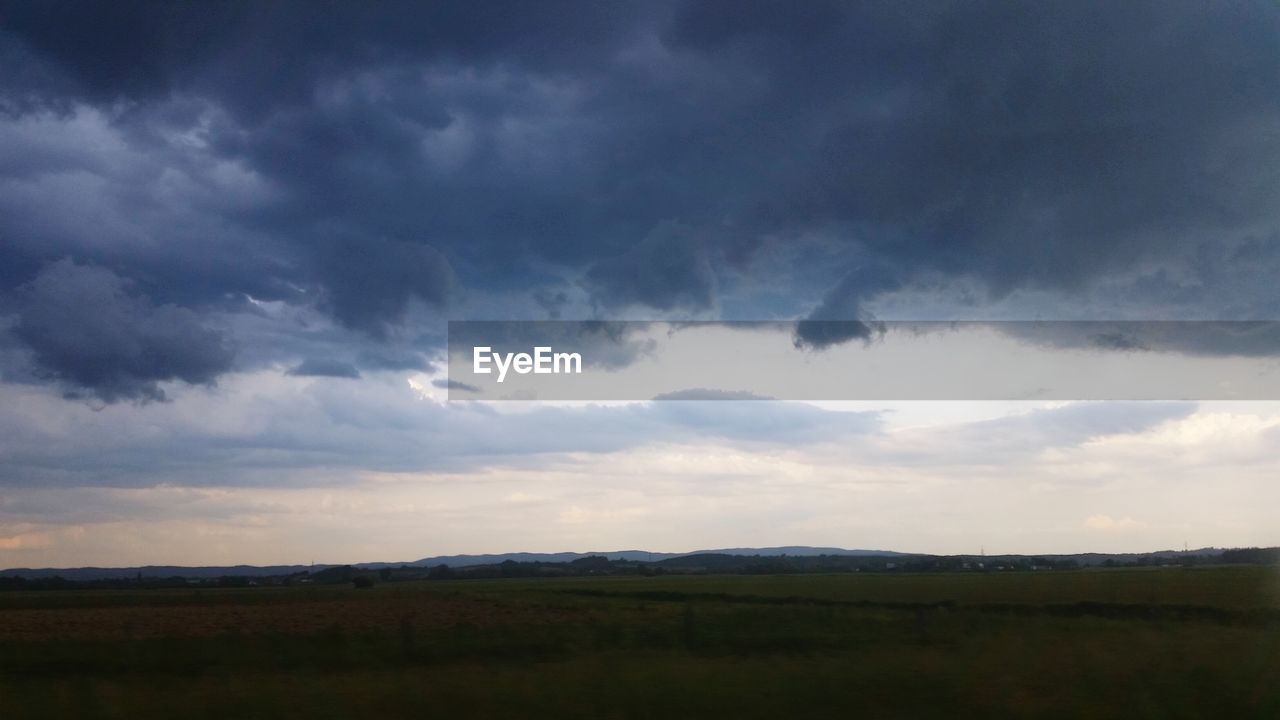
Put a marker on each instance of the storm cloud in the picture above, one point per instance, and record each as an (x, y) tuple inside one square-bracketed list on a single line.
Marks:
[(87, 330), (395, 164)]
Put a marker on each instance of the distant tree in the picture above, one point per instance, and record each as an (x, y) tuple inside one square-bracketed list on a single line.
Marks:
[(591, 563), (334, 575), (362, 582)]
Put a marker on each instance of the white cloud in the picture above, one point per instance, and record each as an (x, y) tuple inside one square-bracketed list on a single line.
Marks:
[(275, 469)]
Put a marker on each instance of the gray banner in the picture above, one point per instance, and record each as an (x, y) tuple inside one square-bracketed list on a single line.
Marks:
[(839, 360)]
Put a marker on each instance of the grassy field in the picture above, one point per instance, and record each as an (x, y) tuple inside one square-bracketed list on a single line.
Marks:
[(1151, 643)]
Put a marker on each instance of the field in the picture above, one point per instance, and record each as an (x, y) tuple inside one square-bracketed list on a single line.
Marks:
[(1142, 643)]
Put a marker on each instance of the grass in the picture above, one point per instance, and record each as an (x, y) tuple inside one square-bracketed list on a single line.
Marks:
[(1158, 643)]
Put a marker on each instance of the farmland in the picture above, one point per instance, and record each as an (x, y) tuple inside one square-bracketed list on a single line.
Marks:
[(1152, 642)]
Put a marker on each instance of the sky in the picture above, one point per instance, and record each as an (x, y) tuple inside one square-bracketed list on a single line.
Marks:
[(232, 236)]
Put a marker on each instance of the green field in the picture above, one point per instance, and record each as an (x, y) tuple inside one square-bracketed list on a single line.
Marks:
[(1150, 643)]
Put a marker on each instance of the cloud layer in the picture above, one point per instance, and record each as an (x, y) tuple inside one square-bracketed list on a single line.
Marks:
[(751, 160)]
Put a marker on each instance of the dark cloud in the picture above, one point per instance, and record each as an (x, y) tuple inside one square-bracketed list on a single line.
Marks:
[(552, 301), (1117, 341), (321, 367), (820, 334), (87, 330), (452, 385), (393, 359), (839, 317), (218, 48), (668, 270), (371, 282), (747, 159)]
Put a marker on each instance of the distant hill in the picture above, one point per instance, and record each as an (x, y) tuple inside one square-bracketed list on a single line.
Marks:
[(633, 555), (710, 559), (97, 573), (798, 550), (1092, 559), (83, 574), (561, 557)]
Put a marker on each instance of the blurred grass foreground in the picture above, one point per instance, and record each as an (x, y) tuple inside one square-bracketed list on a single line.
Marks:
[(1176, 642)]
